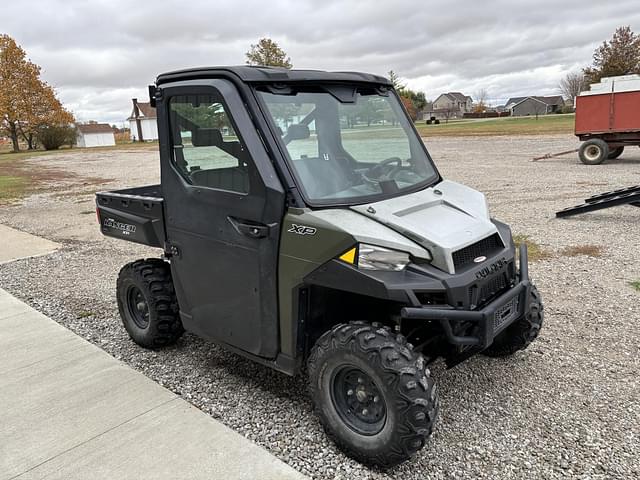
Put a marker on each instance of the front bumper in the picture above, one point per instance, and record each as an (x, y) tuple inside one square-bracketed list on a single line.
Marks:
[(486, 322)]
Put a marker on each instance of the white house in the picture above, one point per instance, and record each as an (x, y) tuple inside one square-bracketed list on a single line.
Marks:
[(143, 122), (95, 135)]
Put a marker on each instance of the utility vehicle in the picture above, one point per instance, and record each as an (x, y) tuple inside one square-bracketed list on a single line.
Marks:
[(304, 225)]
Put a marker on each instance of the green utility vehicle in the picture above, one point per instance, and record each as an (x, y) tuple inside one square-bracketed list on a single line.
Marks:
[(304, 225)]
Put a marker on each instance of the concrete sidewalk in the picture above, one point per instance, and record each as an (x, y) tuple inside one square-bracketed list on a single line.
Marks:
[(17, 245), (68, 410)]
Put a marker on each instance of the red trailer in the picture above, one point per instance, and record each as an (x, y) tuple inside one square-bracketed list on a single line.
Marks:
[(608, 118)]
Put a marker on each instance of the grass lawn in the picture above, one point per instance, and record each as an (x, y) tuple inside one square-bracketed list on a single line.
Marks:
[(545, 124), (11, 187), (16, 181)]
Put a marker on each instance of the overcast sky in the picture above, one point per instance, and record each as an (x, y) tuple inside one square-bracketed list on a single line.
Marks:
[(99, 54)]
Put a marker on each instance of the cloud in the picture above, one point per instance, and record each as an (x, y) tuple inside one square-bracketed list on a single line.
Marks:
[(99, 54)]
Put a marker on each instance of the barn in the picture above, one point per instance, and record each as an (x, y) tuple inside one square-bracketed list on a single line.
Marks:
[(143, 122), (95, 135)]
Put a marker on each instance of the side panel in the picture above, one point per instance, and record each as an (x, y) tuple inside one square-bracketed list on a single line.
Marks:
[(309, 240), (300, 254), (626, 111), (592, 113)]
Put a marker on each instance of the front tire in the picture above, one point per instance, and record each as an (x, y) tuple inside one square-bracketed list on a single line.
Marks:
[(520, 333), (147, 303), (593, 152), (372, 393)]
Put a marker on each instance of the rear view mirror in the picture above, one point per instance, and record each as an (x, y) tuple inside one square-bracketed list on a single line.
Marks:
[(297, 131)]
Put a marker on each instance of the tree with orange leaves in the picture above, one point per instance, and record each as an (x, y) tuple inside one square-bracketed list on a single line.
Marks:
[(27, 104), (411, 109)]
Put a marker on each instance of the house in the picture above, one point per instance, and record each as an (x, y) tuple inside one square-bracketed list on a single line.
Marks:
[(534, 105), (451, 105), (143, 122), (94, 135)]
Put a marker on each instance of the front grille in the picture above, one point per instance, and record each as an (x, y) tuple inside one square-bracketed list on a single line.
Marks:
[(487, 289), (485, 247)]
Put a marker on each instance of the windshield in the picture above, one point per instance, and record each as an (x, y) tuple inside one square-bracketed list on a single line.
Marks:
[(347, 145)]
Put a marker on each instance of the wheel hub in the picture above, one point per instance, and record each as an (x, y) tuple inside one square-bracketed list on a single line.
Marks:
[(592, 152), (358, 401), (138, 307)]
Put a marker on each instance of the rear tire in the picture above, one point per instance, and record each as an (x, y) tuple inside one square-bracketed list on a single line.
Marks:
[(520, 333), (615, 153), (372, 393), (593, 152), (147, 303)]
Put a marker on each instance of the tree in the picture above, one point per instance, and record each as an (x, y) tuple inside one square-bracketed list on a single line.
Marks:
[(396, 82), (481, 101), (411, 109), (27, 104), (418, 98), (618, 56), (539, 108), (53, 137), (268, 53), (572, 84)]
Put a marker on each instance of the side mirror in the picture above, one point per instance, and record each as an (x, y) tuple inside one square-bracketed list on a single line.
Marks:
[(297, 131)]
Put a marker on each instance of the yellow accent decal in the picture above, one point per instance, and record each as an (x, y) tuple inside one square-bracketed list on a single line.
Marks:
[(349, 256)]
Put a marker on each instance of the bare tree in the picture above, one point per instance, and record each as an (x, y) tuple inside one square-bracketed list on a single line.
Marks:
[(482, 97), (539, 108), (571, 85), (448, 113)]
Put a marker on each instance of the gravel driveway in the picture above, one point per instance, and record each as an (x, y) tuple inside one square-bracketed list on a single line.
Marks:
[(568, 407)]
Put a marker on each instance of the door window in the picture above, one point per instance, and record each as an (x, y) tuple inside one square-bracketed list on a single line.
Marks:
[(207, 151)]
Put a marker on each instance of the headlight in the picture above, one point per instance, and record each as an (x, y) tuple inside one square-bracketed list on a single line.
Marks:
[(371, 257)]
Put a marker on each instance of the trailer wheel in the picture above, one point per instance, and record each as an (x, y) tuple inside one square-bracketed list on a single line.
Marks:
[(147, 303), (593, 152), (615, 153), (372, 393)]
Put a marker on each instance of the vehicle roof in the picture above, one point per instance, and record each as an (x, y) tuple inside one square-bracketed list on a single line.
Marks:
[(261, 74)]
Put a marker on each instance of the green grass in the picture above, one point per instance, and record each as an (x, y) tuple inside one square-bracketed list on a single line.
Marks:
[(635, 285), (11, 187), (534, 250), (545, 124)]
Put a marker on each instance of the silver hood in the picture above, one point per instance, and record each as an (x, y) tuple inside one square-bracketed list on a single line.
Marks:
[(442, 219)]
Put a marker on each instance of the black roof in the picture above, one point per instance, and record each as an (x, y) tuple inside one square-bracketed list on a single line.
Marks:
[(259, 74)]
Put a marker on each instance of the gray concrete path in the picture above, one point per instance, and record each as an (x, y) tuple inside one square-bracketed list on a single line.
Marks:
[(68, 410), (17, 244)]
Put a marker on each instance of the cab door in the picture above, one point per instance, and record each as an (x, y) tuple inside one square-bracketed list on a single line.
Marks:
[(223, 207)]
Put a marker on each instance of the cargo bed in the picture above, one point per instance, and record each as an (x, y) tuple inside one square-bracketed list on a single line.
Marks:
[(134, 214)]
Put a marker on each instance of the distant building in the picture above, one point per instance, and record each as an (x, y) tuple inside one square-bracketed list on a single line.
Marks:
[(451, 105), (143, 122), (534, 105), (94, 135)]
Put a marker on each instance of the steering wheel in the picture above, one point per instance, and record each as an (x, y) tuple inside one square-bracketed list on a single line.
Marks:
[(377, 173)]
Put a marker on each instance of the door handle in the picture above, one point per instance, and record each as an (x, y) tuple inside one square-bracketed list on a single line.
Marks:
[(249, 228)]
